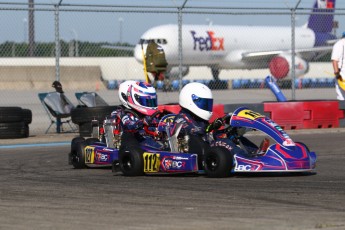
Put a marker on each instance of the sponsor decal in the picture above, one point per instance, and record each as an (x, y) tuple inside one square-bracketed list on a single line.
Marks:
[(180, 158), (171, 163), (107, 150), (243, 167), (249, 114), (288, 142), (222, 144), (207, 43), (101, 157)]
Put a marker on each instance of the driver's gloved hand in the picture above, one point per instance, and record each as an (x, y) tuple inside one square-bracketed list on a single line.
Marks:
[(217, 123)]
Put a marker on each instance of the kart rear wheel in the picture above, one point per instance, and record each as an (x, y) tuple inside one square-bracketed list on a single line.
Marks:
[(131, 161), (91, 141), (199, 146), (78, 161), (74, 147), (218, 162)]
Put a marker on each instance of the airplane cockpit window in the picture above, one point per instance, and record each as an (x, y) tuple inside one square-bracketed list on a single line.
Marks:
[(160, 41)]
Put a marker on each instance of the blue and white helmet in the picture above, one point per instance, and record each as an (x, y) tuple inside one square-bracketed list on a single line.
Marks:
[(198, 99)]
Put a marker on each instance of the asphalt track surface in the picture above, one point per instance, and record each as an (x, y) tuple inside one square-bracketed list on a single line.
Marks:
[(39, 190)]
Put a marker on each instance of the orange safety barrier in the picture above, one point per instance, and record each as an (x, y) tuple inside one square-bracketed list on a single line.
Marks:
[(218, 110), (322, 114), (288, 115), (305, 114), (172, 108)]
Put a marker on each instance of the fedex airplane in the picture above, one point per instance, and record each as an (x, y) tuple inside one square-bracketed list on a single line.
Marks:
[(245, 47)]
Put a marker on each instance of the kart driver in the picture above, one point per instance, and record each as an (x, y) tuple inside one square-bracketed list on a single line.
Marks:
[(139, 101), (196, 101)]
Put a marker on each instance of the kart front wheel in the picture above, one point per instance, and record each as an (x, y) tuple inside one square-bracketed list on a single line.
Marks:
[(131, 161), (218, 162), (78, 161)]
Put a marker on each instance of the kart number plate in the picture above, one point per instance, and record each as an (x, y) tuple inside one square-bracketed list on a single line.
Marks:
[(249, 114), (151, 162), (89, 155)]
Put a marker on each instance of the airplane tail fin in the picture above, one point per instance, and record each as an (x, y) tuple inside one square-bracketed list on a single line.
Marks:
[(322, 23)]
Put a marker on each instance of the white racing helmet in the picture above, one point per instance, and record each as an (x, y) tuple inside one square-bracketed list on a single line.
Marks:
[(142, 97), (123, 88), (197, 98)]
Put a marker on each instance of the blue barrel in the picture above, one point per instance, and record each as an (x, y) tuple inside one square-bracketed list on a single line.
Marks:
[(275, 89)]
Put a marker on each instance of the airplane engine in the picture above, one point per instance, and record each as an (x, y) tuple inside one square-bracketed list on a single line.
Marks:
[(280, 66), (174, 71)]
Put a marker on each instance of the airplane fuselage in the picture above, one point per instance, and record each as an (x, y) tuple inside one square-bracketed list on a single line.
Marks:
[(224, 46)]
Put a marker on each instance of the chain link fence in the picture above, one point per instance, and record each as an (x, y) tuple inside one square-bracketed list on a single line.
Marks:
[(92, 48)]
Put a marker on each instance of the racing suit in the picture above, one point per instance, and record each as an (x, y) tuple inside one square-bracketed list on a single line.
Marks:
[(132, 123), (199, 127)]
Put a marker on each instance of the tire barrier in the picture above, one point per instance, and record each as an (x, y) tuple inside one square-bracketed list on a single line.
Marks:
[(305, 114), (14, 122), (82, 116)]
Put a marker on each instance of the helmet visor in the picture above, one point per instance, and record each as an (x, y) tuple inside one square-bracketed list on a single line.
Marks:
[(147, 101), (203, 103)]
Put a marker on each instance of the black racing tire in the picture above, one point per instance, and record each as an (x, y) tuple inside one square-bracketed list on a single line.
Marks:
[(27, 116), (87, 114), (78, 161), (131, 160), (11, 114), (26, 130), (129, 139), (199, 146), (218, 162), (93, 140), (14, 130), (74, 147), (85, 129)]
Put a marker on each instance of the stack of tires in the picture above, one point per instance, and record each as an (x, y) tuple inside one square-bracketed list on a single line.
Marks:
[(83, 116), (14, 122)]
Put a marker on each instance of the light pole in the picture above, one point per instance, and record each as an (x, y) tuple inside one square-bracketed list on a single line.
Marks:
[(120, 33), (76, 42), (25, 29)]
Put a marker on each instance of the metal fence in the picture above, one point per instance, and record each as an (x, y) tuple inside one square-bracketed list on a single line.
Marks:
[(91, 47)]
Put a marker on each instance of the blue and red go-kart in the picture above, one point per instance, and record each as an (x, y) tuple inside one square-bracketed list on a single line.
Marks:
[(189, 154), (284, 155)]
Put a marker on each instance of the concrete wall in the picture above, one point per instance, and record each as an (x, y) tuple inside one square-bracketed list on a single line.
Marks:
[(86, 72)]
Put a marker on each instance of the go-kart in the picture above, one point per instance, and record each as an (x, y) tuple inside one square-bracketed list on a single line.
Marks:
[(283, 156), (109, 146), (189, 154)]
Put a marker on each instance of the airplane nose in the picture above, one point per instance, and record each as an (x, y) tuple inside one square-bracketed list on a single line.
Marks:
[(138, 54)]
